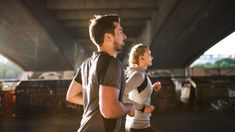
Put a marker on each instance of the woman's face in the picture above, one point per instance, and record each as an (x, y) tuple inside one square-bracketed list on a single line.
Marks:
[(147, 57)]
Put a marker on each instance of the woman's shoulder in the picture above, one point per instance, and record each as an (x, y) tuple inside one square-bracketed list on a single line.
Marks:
[(139, 75)]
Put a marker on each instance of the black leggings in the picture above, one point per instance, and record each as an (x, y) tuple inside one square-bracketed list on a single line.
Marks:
[(149, 129)]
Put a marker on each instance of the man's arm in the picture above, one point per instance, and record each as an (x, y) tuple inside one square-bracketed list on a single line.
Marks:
[(110, 106), (74, 93)]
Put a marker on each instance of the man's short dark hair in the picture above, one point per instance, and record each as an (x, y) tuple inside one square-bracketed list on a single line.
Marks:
[(100, 25)]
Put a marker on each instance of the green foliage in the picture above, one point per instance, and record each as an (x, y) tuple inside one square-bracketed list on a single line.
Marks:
[(223, 63)]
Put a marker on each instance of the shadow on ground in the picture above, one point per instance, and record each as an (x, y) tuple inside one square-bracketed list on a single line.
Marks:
[(180, 121)]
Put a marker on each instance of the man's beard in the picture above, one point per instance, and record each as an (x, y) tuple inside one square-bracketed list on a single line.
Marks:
[(117, 46)]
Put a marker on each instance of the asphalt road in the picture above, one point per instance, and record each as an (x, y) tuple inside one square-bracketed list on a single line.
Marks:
[(181, 121)]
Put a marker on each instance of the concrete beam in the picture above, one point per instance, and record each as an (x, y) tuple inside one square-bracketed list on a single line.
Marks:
[(125, 22), (100, 4), (88, 14), (61, 37), (83, 32), (87, 40), (190, 29), (26, 42), (160, 17)]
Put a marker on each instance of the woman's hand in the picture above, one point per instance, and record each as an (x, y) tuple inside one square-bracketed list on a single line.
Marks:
[(157, 85), (149, 109)]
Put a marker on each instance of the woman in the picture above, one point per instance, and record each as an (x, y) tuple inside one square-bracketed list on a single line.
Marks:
[(139, 89)]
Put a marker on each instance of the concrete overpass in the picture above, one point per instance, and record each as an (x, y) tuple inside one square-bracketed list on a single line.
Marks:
[(50, 35)]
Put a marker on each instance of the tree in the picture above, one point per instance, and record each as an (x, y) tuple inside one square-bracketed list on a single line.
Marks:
[(223, 63)]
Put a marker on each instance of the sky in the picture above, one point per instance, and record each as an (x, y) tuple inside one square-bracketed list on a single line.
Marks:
[(3, 59), (225, 47)]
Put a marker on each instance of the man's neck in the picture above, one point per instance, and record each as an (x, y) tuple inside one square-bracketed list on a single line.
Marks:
[(108, 51)]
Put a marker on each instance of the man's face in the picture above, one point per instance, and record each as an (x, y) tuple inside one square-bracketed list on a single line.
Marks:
[(119, 37)]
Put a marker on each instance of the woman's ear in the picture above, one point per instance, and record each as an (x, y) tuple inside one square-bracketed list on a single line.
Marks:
[(142, 57)]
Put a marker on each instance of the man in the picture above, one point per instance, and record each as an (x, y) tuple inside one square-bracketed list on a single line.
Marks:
[(99, 83)]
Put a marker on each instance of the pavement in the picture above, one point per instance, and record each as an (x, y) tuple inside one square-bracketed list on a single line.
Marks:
[(173, 121)]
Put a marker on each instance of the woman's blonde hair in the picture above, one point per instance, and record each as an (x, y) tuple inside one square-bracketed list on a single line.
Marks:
[(135, 53)]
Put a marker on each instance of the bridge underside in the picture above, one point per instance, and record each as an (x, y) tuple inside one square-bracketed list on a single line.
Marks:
[(45, 35)]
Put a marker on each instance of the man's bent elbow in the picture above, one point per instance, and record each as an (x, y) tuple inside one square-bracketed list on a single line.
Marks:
[(111, 114), (68, 99)]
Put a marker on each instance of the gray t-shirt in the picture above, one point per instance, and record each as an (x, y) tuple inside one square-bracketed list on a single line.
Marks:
[(100, 69)]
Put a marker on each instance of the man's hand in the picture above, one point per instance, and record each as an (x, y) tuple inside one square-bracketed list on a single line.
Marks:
[(131, 113)]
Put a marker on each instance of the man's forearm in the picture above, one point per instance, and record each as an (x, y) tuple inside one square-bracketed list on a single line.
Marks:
[(74, 93), (128, 100), (118, 110), (78, 99), (110, 106)]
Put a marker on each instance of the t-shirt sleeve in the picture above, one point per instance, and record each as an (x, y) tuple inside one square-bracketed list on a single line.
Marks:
[(78, 77), (110, 73)]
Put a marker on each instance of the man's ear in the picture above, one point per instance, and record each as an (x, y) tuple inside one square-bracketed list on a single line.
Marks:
[(108, 37)]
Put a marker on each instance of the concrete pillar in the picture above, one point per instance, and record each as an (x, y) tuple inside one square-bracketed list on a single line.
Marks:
[(146, 35)]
